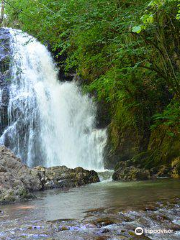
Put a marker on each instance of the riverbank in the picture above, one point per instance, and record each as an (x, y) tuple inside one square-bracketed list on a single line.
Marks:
[(134, 169), (18, 182), (106, 210)]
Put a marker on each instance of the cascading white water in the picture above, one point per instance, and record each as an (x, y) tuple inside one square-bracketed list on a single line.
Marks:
[(50, 123)]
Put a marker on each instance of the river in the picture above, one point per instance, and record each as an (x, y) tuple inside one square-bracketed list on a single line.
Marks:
[(89, 203)]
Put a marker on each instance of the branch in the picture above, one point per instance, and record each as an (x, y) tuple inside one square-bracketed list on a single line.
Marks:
[(2, 12)]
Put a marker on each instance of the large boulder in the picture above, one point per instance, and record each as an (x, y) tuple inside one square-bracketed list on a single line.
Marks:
[(127, 172), (131, 174), (63, 177), (16, 179), (18, 182)]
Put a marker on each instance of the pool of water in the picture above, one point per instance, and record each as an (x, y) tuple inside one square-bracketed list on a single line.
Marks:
[(75, 203)]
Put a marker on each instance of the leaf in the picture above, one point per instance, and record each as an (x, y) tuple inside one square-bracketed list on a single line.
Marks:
[(171, 134), (137, 29)]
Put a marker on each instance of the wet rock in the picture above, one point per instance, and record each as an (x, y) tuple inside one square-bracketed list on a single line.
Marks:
[(163, 171), (151, 207), (105, 230), (142, 237), (131, 173), (64, 228), (175, 168), (102, 222), (90, 225), (160, 217), (68, 229), (132, 170), (17, 181), (63, 177), (127, 148), (4, 77)]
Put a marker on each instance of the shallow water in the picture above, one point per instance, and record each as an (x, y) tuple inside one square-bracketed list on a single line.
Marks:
[(75, 203)]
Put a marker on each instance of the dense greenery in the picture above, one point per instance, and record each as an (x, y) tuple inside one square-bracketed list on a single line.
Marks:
[(126, 51)]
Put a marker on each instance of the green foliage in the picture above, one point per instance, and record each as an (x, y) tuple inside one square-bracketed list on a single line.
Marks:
[(126, 51), (153, 8), (170, 118)]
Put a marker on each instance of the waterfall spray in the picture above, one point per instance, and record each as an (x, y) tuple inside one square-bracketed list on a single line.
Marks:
[(50, 123)]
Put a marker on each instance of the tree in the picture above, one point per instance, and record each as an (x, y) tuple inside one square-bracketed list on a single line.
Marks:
[(2, 11)]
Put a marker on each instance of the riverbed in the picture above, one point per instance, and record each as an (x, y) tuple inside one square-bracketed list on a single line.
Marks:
[(110, 210)]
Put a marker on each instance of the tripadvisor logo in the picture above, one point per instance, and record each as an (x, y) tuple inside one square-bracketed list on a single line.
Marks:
[(139, 231)]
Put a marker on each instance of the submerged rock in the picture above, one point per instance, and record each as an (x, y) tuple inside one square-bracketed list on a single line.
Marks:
[(17, 181), (100, 225)]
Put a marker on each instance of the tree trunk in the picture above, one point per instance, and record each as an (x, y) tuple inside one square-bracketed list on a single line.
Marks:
[(2, 11)]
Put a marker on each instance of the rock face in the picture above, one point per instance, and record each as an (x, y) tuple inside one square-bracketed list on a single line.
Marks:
[(18, 182), (4, 76), (128, 145)]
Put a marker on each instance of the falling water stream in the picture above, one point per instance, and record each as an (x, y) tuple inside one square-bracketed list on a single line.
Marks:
[(50, 122)]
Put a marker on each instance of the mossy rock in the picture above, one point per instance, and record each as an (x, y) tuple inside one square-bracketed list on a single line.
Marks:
[(147, 160), (7, 196), (176, 163), (176, 168), (140, 157), (131, 174), (164, 171), (165, 147)]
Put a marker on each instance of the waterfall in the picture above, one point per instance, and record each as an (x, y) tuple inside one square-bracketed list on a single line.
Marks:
[(51, 123)]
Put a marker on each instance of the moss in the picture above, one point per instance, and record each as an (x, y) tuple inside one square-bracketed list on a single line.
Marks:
[(139, 158), (162, 150), (24, 194), (122, 121), (7, 197), (176, 168), (132, 233)]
